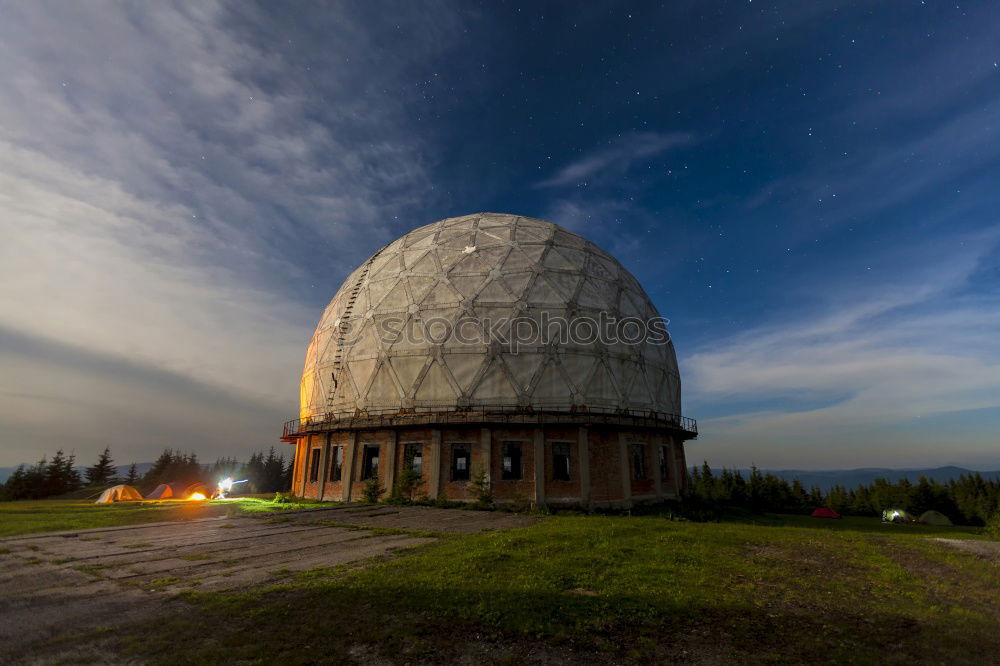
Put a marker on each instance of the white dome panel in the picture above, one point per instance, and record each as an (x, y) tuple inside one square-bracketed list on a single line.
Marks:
[(393, 336)]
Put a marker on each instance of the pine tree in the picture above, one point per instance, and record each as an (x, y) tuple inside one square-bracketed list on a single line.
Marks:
[(53, 480), (799, 497), (254, 472), (921, 496), (157, 474), (286, 477), (15, 487), (71, 475), (57, 477), (756, 489), (133, 476), (103, 470), (274, 467)]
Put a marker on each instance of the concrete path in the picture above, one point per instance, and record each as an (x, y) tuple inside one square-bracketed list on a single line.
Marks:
[(54, 584)]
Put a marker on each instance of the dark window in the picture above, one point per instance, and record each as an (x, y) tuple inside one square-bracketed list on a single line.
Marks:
[(460, 462), (511, 469), (413, 457), (638, 461), (336, 463), (369, 463), (664, 462), (560, 461), (314, 466)]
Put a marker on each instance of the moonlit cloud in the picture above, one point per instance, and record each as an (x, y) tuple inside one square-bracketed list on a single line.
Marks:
[(807, 194), (858, 375), (163, 169), (615, 158)]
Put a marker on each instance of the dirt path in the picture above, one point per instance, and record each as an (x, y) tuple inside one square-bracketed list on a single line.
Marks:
[(54, 584), (988, 550)]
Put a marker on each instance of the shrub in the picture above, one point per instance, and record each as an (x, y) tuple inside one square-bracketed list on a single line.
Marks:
[(481, 487), (993, 526), (372, 491), (407, 483)]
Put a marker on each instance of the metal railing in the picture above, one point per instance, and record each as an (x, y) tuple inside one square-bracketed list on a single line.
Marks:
[(502, 414)]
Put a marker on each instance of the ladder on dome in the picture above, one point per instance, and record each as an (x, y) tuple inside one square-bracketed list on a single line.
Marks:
[(344, 327)]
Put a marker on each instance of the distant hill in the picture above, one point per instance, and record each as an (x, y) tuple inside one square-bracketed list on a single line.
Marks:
[(141, 468), (852, 478)]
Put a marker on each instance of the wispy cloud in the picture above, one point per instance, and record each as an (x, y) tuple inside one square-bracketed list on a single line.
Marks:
[(618, 156), (848, 383), (173, 183)]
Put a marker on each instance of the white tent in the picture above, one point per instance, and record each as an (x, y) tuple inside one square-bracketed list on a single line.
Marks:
[(119, 494), (897, 516)]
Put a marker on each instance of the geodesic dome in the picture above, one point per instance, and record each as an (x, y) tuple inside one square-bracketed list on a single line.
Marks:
[(406, 329)]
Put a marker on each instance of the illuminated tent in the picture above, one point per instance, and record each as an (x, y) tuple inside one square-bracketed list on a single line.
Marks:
[(934, 518), (119, 494), (824, 512), (162, 492), (897, 516), (195, 488)]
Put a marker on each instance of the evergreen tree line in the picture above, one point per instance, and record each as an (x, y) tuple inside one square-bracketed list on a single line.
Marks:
[(970, 499), (59, 476), (173, 467), (264, 474), (43, 479)]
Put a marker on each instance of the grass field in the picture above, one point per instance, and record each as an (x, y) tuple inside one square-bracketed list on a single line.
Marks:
[(612, 588), (31, 517), (776, 589)]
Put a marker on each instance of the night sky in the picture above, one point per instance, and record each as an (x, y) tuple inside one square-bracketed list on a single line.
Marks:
[(808, 191)]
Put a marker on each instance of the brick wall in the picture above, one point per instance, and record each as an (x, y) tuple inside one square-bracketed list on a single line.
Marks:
[(647, 486), (605, 466), (607, 476), (563, 489), (511, 489)]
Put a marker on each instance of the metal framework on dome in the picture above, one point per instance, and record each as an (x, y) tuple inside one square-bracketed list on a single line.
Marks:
[(489, 267), (684, 427), (418, 375)]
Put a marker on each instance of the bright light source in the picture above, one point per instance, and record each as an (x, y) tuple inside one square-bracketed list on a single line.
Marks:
[(225, 486), (197, 496)]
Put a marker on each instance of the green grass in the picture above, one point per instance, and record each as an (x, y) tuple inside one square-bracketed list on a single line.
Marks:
[(761, 589), (35, 516), (862, 524), (638, 588)]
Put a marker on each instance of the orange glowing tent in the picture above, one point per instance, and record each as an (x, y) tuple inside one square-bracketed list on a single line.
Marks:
[(195, 488), (162, 492), (119, 494)]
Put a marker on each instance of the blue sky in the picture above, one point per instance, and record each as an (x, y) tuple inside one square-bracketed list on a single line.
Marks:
[(808, 191)]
